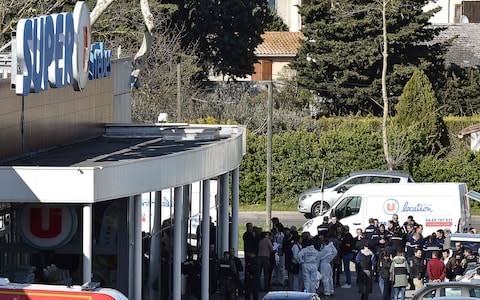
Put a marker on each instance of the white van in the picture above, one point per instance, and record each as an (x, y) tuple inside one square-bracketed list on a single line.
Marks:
[(434, 205)]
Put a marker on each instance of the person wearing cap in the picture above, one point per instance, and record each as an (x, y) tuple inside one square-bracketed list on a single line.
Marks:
[(371, 229), (322, 231), (323, 228)]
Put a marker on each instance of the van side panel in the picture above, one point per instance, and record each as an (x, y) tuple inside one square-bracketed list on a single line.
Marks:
[(432, 212), (434, 205)]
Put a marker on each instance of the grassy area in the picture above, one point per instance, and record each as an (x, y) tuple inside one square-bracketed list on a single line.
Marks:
[(475, 211), (275, 207), (241, 230)]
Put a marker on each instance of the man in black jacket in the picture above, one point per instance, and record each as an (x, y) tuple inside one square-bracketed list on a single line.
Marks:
[(418, 269)]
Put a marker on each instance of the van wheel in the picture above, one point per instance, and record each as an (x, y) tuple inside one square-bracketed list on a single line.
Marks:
[(316, 208)]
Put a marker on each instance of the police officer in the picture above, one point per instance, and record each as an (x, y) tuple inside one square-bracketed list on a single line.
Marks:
[(469, 260)]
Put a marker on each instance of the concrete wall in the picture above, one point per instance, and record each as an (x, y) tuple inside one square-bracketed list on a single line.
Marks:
[(122, 104), (53, 117), (281, 69)]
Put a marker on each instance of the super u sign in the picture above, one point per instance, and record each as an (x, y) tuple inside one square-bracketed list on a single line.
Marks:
[(55, 51)]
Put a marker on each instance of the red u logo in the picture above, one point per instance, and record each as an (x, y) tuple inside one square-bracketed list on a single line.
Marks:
[(390, 206), (45, 222)]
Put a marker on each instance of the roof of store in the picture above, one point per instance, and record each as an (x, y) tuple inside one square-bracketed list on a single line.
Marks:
[(127, 160)]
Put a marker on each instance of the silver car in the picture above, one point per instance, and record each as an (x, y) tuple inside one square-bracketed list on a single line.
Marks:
[(452, 290), (310, 201)]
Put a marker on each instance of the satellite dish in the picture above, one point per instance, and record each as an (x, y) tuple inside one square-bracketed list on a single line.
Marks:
[(464, 19)]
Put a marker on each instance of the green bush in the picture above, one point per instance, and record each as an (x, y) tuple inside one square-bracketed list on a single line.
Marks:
[(342, 145)]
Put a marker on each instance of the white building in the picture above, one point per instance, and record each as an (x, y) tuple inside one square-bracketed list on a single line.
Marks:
[(453, 10)]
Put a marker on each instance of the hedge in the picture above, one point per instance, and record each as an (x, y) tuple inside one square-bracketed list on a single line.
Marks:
[(342, 145)]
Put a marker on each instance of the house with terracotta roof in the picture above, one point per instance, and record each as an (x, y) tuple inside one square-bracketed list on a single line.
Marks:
[(275, 53)]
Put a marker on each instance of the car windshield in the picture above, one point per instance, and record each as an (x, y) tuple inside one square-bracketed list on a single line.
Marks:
[(334, 183)]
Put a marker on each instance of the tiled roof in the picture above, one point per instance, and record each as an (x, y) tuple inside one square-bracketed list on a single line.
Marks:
[(465, 49), (281, 43)]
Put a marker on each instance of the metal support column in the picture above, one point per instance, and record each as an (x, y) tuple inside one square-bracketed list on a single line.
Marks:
[(177, 244), (224, 213), (87, 243), (187, 192), (138, 247), (205, 239), (131, 242), (155, 271), (235, 208)]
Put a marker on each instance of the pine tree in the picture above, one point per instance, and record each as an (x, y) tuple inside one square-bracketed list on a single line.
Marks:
[(341, 57), (276, 23), (226, 32), (418, 123)]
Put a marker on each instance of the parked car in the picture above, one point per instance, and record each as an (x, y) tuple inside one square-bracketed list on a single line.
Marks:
[(282, 295), (471, 274), (468, 240), (452, 290), (310, 201)]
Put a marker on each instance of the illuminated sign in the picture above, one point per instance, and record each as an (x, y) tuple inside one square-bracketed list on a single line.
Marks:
[(48, 227), (53, 51)]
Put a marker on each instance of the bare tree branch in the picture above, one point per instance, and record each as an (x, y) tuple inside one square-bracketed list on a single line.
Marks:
[(139, 59), (100, 7)]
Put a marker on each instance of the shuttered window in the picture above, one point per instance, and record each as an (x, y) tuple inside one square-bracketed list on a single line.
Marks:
[(471, 9), (263, 70)]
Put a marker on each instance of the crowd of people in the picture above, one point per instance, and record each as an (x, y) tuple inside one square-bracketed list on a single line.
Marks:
[(395, 255)]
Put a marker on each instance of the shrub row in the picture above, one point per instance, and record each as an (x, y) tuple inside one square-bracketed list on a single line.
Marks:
[(342, 145)]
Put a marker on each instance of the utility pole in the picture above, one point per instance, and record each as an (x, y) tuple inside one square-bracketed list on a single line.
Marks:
[(269, 156), (179, 92)]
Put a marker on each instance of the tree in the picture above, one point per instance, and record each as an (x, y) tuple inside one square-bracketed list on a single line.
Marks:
[(459, 95), (276, 23), (13, 10), (341, 57), (418, 124), (226, 32)]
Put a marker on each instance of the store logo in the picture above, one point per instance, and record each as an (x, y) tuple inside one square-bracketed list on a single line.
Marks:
[(390, 206), (100, 62), (53, 51), (48, 227)]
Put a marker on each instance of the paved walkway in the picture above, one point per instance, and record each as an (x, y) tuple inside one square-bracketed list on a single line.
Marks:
[(340, 293)]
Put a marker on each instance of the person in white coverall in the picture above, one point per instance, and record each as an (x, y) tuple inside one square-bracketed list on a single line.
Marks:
[(325, 256), (308, 258)]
